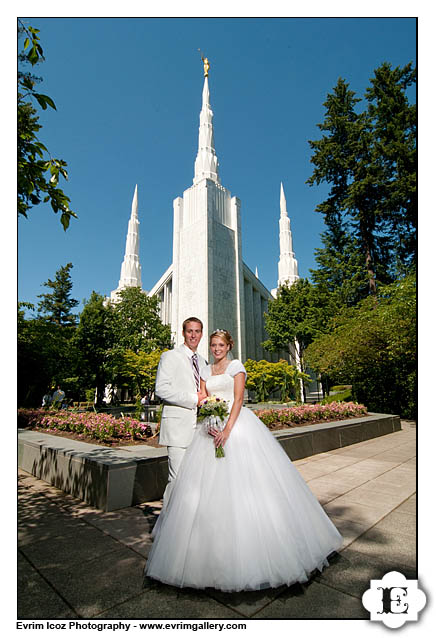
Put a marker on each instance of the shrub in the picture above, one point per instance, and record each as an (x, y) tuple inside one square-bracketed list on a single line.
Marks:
[(346, 395), (373, 347), (265, 377)]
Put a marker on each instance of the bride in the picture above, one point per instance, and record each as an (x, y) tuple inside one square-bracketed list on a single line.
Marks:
[(246, 521)]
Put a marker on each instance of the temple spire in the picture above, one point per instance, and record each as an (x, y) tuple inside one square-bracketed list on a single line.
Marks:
[(288, 266), (131, 268), (283, 210), (134, 212), (206, 163)]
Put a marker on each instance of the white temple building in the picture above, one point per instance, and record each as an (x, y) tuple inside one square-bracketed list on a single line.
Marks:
[(208, 277)]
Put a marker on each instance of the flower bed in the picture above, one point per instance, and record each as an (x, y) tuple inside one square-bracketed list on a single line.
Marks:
[(108, 430), (309, 414), (87, 426)]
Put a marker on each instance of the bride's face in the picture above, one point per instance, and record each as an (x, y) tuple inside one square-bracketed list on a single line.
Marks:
[(219, 348)]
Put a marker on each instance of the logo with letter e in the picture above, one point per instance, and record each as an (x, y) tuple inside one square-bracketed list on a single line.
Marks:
[(394, 600)]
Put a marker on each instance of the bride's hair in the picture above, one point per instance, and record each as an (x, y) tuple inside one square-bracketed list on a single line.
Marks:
[(225, 335)]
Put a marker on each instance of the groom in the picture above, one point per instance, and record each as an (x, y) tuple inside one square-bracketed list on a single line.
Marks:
[(178, 385)]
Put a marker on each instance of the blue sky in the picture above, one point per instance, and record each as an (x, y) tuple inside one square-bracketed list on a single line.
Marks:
[(128, 97)]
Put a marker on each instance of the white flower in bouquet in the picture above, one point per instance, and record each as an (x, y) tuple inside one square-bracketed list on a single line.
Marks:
[(213, 406)]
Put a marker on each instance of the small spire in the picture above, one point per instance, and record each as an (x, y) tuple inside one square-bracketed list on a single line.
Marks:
[(135, 203), (257, 274), (131, 268), (288, 265), (283, 210)]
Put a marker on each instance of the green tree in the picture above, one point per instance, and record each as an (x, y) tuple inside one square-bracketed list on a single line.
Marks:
[(140, 369), (138, 326), (341, 267), (56, 305), (373, 347), (368, 160), (38, 173), (393, 123), (45, 356), (94, 339), (340, 158), (299, 314)]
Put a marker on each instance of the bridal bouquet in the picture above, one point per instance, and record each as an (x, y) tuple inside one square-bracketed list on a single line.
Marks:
[(215, 410)]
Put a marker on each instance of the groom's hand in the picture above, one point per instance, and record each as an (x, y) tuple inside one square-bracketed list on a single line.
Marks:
[(201, 397)]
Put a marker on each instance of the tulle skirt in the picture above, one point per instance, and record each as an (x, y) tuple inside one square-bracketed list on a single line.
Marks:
[(247, 521)]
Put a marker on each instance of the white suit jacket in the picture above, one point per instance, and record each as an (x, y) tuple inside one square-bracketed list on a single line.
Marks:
[(175, 385)]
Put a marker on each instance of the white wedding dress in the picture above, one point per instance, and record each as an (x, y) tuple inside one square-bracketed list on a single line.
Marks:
[(243, 522)]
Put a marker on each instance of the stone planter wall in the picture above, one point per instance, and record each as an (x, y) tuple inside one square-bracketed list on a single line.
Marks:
[(113, 478)]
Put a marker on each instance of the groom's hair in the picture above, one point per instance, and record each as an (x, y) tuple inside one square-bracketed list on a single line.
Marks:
[(193, 319)]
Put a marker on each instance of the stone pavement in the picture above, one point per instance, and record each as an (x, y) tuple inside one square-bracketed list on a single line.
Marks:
[(75, 561)]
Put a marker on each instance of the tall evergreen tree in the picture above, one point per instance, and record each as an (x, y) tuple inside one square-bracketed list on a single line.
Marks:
[(56, 306), (339, 158), (393, 123), (368, 159), (341, 267)]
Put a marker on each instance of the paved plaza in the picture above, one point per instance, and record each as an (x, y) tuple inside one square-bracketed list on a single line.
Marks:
[(75, 561)]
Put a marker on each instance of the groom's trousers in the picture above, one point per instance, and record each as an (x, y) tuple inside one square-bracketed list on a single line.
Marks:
[(175, 457)]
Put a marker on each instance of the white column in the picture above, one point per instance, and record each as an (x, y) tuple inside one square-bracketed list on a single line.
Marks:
[(264, 309), (257, 324), (249, 321), (235, 209), (177, 223)]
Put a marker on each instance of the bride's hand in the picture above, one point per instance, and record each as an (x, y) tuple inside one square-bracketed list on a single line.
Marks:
[(221, 437)]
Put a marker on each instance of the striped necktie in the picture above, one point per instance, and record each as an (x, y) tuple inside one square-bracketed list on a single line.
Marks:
[(196, 370)]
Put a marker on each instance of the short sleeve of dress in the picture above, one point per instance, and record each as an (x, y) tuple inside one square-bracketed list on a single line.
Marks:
[(235, 367), (205, 372)]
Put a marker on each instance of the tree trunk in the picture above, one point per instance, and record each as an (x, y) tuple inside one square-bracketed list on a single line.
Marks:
[(370, 271), (368, 242), (300, 366), (325, 386), (100, 391)]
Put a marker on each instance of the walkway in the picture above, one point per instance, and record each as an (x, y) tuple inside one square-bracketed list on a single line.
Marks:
[(77, 562)]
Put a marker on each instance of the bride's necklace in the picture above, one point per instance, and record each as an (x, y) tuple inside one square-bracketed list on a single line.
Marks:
[(219, 369)]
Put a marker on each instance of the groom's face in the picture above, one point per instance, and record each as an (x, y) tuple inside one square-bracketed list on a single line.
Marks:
[(192, 334)]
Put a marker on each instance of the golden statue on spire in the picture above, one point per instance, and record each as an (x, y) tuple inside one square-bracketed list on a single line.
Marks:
[(206, 65)]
